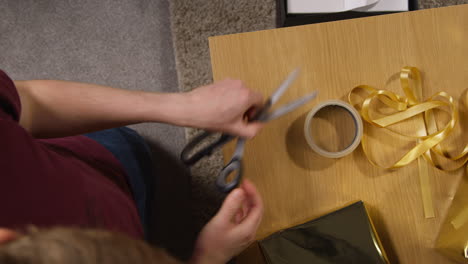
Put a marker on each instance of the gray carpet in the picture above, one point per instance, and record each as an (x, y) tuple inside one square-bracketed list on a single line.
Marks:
[(119, 43), (423, 4)]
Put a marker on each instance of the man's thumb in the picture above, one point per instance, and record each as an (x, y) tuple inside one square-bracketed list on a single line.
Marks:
[(231, 205), (249, 130)]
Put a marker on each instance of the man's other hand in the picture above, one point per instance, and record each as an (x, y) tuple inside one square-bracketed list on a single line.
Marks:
[(232, 229)]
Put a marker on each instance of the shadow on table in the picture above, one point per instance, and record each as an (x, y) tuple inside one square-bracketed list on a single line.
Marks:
[(300, 152), (171, 226)]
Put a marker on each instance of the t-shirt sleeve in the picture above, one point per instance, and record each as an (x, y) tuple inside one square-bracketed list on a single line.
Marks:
[(10, 105), (58, 181)]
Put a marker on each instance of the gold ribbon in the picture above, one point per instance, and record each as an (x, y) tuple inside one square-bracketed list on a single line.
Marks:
[(461, 218), (427, 141)]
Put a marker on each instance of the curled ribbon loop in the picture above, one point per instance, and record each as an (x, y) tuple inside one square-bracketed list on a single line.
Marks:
[(428, 143)]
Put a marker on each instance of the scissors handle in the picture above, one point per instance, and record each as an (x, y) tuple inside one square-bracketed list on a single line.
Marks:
[(221, 182), (234, 165), (189, 156)]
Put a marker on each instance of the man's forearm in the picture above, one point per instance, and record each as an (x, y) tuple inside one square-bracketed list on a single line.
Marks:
[(61, 108)]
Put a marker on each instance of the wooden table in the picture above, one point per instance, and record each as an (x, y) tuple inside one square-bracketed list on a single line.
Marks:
[(297, 184)]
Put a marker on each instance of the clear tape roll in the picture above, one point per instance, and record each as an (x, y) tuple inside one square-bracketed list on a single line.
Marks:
[(357, 134)]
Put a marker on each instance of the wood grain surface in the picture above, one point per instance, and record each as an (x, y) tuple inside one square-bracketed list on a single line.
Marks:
[(297, 184)]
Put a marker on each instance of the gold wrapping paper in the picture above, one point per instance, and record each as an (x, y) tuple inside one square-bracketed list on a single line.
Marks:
[(346, 235), (453, 236)]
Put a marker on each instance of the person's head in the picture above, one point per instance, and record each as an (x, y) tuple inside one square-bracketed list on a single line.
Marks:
[(73, 245)]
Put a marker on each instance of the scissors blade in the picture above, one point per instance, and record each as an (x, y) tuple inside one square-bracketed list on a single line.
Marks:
[(283, 87), (290, 106), (240, 146)]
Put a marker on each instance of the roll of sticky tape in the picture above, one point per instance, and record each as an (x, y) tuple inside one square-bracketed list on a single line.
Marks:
[(357, 133)]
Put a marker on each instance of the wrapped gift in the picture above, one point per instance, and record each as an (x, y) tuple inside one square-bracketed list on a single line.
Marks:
[(343, 236), (453, 235)]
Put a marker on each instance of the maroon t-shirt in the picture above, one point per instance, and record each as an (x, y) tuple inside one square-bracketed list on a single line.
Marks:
[(70, 181)]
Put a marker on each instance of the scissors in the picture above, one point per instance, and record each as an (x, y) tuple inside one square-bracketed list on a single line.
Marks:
[(189, 156)]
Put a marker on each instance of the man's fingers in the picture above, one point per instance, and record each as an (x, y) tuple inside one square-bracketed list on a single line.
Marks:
[(255, 213), (248, 130), (231, 205), (251, 113), (239, 215), (252, 194), (255, 100)]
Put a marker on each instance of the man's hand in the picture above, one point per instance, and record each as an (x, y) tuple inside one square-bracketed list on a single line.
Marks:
[(225, 106), (232, 229)]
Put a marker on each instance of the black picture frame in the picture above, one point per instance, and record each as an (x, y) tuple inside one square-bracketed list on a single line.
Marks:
[(288, 20)]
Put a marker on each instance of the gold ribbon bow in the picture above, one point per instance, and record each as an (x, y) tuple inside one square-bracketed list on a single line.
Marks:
[(428, 143)]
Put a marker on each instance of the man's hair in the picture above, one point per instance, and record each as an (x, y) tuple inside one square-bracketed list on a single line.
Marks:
[(73, 245)]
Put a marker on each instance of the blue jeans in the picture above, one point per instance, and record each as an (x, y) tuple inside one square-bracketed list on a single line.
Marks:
[(135, 156)]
